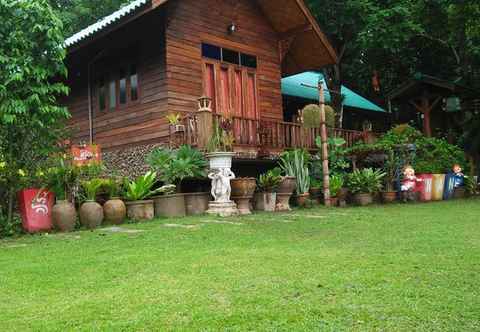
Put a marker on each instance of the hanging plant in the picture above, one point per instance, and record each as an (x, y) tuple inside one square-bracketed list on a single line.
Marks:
[(311, 116)]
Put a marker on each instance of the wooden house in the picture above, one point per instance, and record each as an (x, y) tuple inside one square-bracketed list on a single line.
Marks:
[(153, 58)]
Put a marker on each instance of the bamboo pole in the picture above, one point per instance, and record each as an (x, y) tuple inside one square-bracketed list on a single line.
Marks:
[(324, 137)]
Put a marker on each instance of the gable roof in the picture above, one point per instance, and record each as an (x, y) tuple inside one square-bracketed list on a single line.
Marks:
[(292, 86), (291, 19)]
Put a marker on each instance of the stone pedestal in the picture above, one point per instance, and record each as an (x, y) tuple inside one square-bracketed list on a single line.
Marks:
[(243, 203), (283, 202), (222, 209)]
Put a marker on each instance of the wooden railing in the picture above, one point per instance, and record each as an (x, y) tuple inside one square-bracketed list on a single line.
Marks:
[(273, 134)]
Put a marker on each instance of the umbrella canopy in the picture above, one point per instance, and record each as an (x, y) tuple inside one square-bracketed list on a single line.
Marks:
[(292, 86)]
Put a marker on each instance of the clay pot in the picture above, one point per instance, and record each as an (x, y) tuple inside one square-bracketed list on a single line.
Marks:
[(114, 211), (459, 192), (243, 187), (389, 197), (140, 210), (363, 199), (91, 214), (64, 216), (316, 194), (283, 202), (170, 206), (302, 199), (334, 201), (288, 185), (196, 203), (265, 201)]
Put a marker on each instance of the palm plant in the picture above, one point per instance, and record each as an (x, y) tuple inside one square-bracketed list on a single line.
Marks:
[(141, 188), (295, 163), (336, 183), (269, 181), (91, 188)]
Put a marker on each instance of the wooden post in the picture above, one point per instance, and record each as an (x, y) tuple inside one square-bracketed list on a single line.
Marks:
[(324, 137), (205, 122)]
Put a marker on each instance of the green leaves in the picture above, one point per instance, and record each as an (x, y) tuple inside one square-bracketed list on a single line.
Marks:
[(141, 188), (269, 181), (365, 181), (295, 163)]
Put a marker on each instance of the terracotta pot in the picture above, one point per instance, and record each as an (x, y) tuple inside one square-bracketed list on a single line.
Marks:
[(196, 203), (140, 210), (283, 202), (265, 201), (334, 201), (288, 185), (363, 199), (316, 194), (115, 211), (459, 193), (170, 206), (389, 196), (91, 214), (302, 199), (438, 185), (64, 216), (243, 187)]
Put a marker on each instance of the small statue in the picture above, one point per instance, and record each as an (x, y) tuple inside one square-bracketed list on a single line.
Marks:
[(409, 184), (221, 188), (458, 176)]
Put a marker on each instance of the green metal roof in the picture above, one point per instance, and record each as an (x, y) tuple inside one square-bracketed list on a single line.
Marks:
[(292, 86)]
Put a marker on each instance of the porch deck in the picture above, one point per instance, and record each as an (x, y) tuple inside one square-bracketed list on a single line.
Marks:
[(262, 137)]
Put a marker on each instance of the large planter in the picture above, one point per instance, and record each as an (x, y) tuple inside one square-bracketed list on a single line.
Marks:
[(389, 197), (115, 211), (91, 214), (288, 185), (35, 207), (64, 216), (301, 200), (425, 187), (140, 210), (438, 186), (170, 206), (242, 192), (220, 160), (363, 199), (196, 203), (265, 201)]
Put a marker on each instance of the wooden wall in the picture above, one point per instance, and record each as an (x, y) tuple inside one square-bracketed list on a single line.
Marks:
[(141, 42), (191, 22)]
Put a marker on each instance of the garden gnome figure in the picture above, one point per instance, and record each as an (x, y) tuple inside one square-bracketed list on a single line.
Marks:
[(458, 176), (409, 184)]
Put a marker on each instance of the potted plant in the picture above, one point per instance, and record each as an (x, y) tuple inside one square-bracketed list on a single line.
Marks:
[(390, 167), (137, 194), (315, 188), (336, 184), (220, 145), (363, 183), (91, 213), (174, 166), (295, 163), (61, 180), (114, 209), (265, 198), (242, 193)]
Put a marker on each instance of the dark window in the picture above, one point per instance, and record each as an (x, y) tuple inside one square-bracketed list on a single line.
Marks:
[(211, 51), (249, 60), (133, 83), (102, 101), (230, 56), (112, 91), (123, 87)]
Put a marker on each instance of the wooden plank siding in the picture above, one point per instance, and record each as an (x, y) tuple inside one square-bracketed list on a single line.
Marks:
[(192, 22), (143, 43)]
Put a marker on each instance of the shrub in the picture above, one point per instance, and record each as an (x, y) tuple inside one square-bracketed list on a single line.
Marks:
[(311, 116), (365, 181)]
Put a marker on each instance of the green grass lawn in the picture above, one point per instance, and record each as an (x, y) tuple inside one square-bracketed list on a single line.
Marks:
[(381, 268)]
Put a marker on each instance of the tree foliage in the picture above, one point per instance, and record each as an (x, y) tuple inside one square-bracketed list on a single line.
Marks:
[(31, 64)]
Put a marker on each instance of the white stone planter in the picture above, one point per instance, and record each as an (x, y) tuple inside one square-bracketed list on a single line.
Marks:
[(220, 160), (221, 174)]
